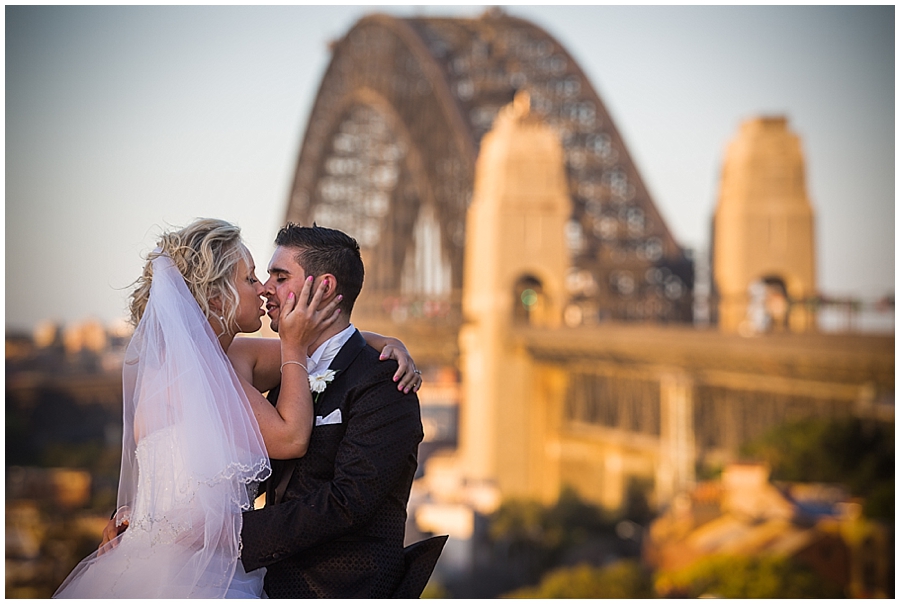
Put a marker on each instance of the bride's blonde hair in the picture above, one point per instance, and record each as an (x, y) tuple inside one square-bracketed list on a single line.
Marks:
[(207, 253)]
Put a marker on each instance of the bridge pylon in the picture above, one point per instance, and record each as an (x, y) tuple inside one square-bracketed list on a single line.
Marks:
[(516, 261)]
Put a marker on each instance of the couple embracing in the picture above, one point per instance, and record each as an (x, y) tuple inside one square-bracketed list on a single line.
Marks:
[(333, 447)]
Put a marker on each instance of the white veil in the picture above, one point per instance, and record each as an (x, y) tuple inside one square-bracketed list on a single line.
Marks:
[(192, 456)]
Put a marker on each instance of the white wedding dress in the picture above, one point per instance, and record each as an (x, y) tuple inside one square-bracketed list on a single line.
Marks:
[(158, 556), (192, 457)]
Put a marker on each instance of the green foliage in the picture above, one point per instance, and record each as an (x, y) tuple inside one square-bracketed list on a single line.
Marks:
[(637, 508), (880, 501), (625, 579), (18, 435), (706, 472), (522, 521), (852, 452), (549, 530), (728, 576), (72, 455), (528, 538)]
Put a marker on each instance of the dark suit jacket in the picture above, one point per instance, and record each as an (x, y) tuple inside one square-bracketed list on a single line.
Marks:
[(338, 532)]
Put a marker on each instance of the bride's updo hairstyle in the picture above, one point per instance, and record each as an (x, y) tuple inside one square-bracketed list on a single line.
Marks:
[(207, 253)]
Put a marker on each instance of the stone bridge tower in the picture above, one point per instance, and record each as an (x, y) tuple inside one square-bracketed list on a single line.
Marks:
[(763, 247), (515, 266)]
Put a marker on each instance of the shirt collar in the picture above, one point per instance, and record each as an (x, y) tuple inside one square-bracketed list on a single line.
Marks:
[(323, 355)]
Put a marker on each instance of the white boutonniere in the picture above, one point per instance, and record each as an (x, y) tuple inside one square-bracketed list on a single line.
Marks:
[(319, 381)]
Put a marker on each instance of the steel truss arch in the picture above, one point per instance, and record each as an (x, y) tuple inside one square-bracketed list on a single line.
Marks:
[(428, 89)]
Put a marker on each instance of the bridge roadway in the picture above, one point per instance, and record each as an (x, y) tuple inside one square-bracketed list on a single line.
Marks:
[(837, 360), (663, 399)]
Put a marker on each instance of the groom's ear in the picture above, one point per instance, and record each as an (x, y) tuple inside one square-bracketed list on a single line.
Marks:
[(331, 287), (330, 284)]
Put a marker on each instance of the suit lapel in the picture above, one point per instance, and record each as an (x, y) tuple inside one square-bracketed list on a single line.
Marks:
[(342, 360), (328, 402), (348, 353)]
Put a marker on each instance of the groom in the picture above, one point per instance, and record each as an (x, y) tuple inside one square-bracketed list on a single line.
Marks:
[(333, 524)]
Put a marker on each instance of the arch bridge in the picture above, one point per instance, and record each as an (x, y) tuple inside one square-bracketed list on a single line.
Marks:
[(611, 397)]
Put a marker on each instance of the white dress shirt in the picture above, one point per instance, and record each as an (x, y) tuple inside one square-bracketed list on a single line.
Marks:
[(323, 355)]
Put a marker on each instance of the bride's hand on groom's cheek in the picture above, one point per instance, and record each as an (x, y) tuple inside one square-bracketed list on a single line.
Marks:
[(303, 321)]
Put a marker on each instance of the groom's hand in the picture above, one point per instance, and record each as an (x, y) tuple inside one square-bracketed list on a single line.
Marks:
[(110, 532)]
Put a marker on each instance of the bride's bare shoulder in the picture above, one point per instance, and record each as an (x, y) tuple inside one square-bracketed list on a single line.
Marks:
[(257, 359), (253, 345)]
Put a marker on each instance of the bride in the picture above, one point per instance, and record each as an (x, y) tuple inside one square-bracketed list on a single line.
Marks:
[(193, 451)]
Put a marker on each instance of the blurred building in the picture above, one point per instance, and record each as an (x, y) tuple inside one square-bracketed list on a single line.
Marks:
[(66, 488), (743, 513), (63, 444)]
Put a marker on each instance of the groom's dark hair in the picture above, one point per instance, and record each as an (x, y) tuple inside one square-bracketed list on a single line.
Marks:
[(320, 250)]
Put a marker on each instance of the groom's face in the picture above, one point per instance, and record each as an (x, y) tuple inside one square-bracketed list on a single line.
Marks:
[(285, 276)]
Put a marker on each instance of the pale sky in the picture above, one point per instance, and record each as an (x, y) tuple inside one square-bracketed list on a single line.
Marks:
[(123, 121)]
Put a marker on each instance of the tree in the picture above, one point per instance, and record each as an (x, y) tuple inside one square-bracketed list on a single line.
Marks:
[(732, 576), (624, 579), (853, 452), (541, 534), (528, 538)]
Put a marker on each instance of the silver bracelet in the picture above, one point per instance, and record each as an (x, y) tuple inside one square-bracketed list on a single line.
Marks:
[(294, 363)]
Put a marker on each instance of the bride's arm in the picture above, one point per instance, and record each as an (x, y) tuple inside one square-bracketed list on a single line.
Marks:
[(286, 427), (409, 378), (258, 360)]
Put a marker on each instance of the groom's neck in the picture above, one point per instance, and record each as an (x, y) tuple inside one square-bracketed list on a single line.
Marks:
[(340, 325)]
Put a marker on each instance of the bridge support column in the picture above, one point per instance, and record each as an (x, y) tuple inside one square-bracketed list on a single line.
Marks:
[(516, 260), (675, 472)]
